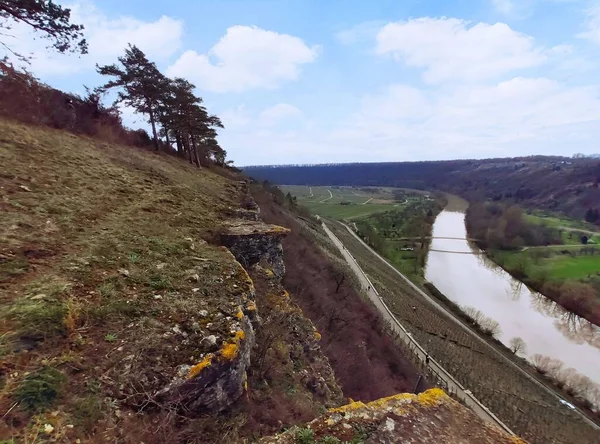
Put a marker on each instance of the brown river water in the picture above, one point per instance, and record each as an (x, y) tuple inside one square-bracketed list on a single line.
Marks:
[(473, 280)]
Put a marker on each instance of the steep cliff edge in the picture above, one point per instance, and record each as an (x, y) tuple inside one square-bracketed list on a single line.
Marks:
[(122, 317), (431, 417)]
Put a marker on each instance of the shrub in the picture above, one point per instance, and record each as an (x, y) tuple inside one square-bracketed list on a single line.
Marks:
[(305, 436), (88, 411), (39, 317), (39, 389)]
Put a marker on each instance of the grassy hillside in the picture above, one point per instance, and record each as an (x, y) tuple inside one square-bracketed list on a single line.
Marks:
[(111, 280), (96, 246)]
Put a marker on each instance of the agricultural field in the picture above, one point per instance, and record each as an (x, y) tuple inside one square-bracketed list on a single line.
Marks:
[(525, 407), (349, 203), (389, 219), (573, 261), (559, 263), (571, 230)]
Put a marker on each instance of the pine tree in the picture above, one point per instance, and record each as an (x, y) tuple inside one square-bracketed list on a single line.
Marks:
[(183, 116), (44, 16), (141, 85)]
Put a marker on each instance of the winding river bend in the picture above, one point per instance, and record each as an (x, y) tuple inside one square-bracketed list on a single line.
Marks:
[(471, 279)]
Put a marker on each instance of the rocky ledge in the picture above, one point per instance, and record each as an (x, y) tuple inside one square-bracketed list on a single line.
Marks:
[(431, 416), (218, 378), (254, 242)]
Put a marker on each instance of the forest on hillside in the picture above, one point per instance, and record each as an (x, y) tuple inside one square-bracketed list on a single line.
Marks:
[(558, 184)]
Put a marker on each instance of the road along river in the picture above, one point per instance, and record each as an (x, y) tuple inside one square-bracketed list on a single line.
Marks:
[(471, 279)]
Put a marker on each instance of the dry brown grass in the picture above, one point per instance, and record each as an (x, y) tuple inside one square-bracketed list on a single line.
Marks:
[(97, 246)]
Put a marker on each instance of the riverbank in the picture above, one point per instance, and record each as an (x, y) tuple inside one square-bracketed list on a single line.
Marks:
[(403, 234), (511, 393), (542, 329), (543, 253), (544, 373), (579, 299)]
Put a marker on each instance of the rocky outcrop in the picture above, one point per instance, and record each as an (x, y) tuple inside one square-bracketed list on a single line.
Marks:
[(219, 377), (430, 417), (218, 380), (289, 343), (254, 242)]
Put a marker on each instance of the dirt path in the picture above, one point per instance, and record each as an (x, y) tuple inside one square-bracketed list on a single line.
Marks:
[(327, 198), (580, 230)]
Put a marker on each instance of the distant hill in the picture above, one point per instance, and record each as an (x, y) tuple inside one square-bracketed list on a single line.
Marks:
[(567, 185)]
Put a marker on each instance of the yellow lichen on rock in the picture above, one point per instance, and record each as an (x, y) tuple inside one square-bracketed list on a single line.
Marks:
[(251, 306), (196, 369), (432, 397), (428, 398), (383, 402), (276, 229), (348, 407), (317, 335), (240, 313), (229, 351)]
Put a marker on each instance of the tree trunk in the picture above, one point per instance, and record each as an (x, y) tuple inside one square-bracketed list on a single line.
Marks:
[(153, 123), (167, 137), (195, 150), (178, 142)]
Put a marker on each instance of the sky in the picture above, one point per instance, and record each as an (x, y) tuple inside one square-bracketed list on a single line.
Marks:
[(321, 81)]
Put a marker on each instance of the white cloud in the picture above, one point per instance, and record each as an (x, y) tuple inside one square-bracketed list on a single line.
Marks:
[(245, 58), (107, 38), (454, 49), (592, 25), (235, 117), (519, 116), (279, 113)]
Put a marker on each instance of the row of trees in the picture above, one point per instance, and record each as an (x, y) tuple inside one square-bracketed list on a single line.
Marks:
[(502, 226), (575, 383), (175, 113)]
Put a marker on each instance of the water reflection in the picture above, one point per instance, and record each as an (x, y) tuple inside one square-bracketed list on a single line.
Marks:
[(476, 281), (516, 288)]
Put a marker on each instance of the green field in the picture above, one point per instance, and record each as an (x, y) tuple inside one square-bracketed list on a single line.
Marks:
[(381, 215), (348, 203), (571, 230), (553, 263)]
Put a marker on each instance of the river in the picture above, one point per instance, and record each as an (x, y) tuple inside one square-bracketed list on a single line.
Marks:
[(471, 279)]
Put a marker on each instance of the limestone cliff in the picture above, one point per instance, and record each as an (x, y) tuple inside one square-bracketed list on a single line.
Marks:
[(219, 377), (253, 242)]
